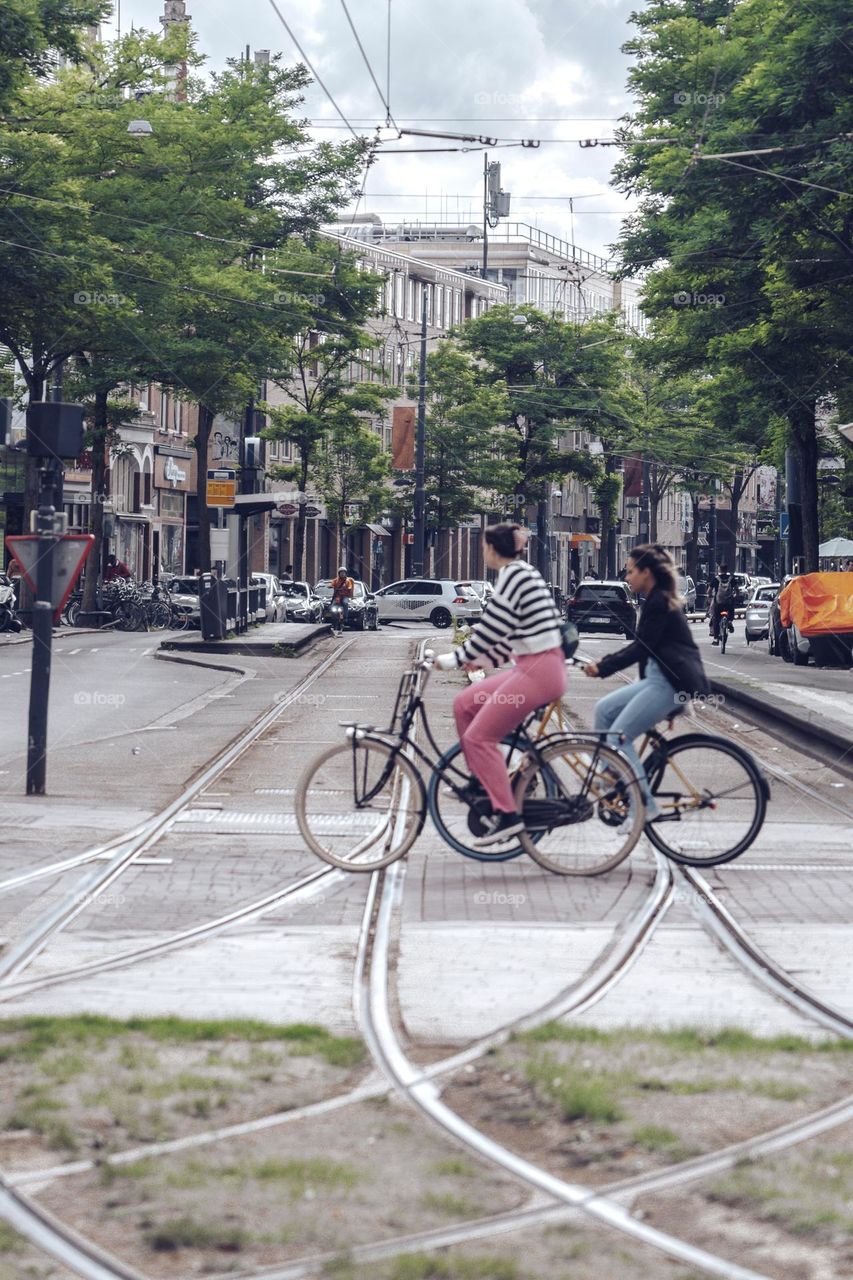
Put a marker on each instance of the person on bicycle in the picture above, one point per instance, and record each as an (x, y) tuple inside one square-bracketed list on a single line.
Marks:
[(520, 621), (723, 598), (116, 569), (671, 670), (343, 589)]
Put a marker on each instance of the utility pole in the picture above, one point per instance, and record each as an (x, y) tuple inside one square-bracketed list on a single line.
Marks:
[(420, 450), (793, 493), (495, 204), (712, 529), (778, 567), (485, 213)]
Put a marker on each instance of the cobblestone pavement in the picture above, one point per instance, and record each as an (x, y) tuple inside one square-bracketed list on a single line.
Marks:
[(480, 943)]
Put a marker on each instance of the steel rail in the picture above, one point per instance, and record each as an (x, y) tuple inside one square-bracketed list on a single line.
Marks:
[(377, 1029), (97, 882)]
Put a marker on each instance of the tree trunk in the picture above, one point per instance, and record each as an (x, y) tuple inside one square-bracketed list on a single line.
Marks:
[(202, 440), (98, 489), (804, 441), (654, 504)]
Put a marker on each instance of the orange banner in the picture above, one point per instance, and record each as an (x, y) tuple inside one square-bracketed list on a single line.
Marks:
[(819, 603)]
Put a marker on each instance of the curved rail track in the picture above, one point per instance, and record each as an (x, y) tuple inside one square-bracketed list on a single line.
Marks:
[(553, 1198)]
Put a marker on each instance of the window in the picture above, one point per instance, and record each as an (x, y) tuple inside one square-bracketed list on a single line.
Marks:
[(410, 299), (457, 306), (439, 306), (399, 294)]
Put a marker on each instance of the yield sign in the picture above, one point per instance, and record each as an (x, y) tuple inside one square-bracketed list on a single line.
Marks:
[(69, 554)]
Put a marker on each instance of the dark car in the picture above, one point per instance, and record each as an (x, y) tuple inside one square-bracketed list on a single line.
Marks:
[(603, 606), (363, 613)]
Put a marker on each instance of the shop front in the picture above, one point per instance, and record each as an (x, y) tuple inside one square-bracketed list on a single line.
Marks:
[(174, 479)]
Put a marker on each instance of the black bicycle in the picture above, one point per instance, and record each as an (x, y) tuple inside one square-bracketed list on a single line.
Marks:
[(362, 804)]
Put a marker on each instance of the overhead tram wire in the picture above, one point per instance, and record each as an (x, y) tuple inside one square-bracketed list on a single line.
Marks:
[(385, 102), (310, 66)]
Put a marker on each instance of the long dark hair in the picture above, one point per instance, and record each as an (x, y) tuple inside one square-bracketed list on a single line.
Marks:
[(651, 555), (509, 540)]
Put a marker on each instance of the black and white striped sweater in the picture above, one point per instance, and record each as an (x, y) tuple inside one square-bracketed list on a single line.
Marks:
[(520, 617)]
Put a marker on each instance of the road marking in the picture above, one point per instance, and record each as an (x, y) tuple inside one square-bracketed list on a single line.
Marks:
[(71, 652)]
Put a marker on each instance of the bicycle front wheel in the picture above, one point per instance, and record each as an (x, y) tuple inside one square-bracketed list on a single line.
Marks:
[(458, 822), (582, 805), (712, 797), (360, 806)]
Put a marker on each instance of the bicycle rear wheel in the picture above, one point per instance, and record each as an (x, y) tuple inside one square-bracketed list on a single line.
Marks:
[(360, 806), (712, 797), (582, 805)]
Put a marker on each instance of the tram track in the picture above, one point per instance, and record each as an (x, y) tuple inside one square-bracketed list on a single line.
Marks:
[(417, 1083), (126, 850)]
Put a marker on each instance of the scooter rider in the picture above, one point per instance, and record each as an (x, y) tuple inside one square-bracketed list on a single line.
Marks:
[(343, 590)]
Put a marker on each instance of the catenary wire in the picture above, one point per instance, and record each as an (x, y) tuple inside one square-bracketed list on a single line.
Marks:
[(311, 68), (382, 97)]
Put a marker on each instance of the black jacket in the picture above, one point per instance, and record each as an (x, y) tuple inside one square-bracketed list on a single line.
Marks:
[(663, 634)]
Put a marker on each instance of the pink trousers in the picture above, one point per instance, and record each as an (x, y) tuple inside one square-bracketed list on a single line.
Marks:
[(489, 709)]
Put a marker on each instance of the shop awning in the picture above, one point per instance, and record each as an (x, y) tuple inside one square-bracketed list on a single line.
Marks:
[(592, 539), (379, 530)]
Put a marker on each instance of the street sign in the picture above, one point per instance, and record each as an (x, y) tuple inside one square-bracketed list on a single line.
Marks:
[(287, 509), (784, 522), (221, 488), (69, 554), (311, 512)]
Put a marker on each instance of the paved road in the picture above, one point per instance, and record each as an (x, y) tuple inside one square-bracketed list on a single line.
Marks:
[(479, 942)]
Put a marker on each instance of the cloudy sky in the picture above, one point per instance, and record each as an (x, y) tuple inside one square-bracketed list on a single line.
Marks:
[(550, 70)]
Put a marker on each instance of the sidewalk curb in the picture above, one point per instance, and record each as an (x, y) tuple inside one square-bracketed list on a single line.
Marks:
[(778, 718), (59, 633), (250, 647), (192, 661)]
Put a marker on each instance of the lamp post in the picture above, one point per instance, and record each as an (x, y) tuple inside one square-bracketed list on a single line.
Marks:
[(420, 451)]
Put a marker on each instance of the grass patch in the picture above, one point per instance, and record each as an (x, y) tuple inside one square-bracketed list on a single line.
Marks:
[(297, 1175), (39, 1036), (187, 1233), (453, 1168), (10, 1241), (453, 1206), (578, 1098), (684, 1039), (419, 1266), (655, 1137)]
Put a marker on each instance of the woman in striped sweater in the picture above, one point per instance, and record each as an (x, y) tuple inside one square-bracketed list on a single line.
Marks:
[(520, 622)]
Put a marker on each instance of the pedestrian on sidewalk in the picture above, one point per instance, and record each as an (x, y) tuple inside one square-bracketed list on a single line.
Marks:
[(520, 620), (671, 671)]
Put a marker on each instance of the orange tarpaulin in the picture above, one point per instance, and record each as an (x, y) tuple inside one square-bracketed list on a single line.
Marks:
[(819, 603)]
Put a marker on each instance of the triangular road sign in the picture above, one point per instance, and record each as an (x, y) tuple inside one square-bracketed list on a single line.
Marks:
[(69, 554)]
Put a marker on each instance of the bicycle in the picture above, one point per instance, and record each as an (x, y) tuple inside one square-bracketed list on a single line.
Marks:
[(725, 627), (361, 805)]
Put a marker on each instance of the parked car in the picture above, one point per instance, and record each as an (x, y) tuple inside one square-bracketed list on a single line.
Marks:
[(275, 601), (687, 591), (185, 598), (301, 604), (603, 606), (757, 617), (483, 589), (816, 617), (439, 601), (363, 612)]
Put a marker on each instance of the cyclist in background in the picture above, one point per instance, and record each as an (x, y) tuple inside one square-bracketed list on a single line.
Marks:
[(723, 597), (520, 620), (671, 670), (343, 588)]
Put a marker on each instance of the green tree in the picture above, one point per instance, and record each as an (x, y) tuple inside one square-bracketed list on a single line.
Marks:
[(351, 471), (746, 257), (469, 453), (34, 32), (325, 372)]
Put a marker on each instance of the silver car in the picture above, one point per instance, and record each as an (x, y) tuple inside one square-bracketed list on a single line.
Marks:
[(275, 604), (439, 601), (687, 591), (756, 619)]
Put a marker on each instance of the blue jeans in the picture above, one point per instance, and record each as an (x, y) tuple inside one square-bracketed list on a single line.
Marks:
[(633, 710)]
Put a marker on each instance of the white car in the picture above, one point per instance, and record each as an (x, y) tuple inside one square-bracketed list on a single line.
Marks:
[(275, 603), (481, 587), (439, 601), (757, 615)]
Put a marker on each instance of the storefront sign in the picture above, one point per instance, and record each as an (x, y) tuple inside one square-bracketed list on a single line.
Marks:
[(172, 472)]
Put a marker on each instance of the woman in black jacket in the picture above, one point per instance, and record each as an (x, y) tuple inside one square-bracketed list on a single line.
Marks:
[(671, 671)]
